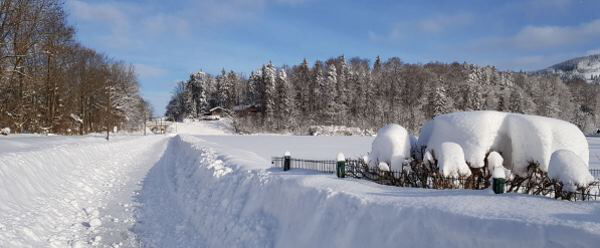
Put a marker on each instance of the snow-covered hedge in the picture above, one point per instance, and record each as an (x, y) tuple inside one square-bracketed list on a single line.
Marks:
[(520, 138), (569, 169), (392, 146), (338, 131)]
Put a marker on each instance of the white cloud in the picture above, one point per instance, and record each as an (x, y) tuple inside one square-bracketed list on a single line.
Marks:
[(592, 52), (542, 37)]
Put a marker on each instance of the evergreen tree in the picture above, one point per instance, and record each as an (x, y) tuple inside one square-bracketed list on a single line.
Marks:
[(329, 95), (269, 94), (285, 101)]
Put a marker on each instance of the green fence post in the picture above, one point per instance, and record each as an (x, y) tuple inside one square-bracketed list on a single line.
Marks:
[(499, 180), (286, 161), (341, 166)]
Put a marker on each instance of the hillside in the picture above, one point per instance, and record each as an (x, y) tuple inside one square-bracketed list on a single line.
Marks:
[(586, 67)]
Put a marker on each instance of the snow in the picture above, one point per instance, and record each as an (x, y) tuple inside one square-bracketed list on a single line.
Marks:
[(451, 161), (428, 158), (259, 206), (391, 145), (494, 162), (341, 157), (191, 190), (568, 168), (5, 131), (521, 138), (63, 191), (383, 166)]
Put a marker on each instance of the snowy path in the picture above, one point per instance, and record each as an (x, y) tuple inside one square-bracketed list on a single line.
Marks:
[(74, 194)]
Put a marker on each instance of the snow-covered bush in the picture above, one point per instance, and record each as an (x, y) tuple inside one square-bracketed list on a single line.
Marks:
[(522, 139), (569, 169), (451, 161), (392, 146), (5, 131)]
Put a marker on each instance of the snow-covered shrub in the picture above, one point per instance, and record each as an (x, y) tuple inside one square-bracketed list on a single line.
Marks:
[(5, 131), (383, 166), (495, 166), (392, 146), (569, 169), (451, 161), (522, 139), (337, 131)]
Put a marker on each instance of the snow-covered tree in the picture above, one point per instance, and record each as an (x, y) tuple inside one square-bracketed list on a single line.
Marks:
[(269, 94)]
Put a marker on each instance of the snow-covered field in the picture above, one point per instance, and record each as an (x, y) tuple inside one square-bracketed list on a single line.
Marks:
[(207, 190)]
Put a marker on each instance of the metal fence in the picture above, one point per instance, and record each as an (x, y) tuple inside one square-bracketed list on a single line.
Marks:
[(408, 177), (327, 166)]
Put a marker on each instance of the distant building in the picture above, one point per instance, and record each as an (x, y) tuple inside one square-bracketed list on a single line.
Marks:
[(216, 113), (245, 110)]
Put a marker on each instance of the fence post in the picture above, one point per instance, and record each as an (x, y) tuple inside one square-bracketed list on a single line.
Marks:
[(341, 166), (286, 161), (498, 181)]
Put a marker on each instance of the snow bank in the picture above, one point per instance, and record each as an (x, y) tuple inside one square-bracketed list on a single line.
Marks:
[(570, 169), (185, 205), (452, 161), (391, 145), (521, 138)]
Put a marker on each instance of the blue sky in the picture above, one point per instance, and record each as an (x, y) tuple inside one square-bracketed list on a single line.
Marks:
[(168, 40)]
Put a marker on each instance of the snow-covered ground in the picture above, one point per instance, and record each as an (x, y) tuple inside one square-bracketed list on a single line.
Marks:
[(72, 192), (207, 190)]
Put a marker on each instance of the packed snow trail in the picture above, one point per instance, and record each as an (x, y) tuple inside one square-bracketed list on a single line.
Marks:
[(74, 194), (206, 194)]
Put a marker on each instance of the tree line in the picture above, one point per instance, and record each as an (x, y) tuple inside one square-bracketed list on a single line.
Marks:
[(357, 93), (51, 83)]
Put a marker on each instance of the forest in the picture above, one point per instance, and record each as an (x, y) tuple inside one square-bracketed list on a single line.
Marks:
[(358, 93), (50, 83)]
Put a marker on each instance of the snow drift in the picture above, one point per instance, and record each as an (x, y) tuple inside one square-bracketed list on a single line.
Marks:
[(189, 201), (520, 138), (392, 146)]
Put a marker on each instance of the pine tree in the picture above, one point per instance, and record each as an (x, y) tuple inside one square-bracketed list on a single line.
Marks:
[(329, 95), (516, 102), (439, 103), (285, 102), (269, 94)]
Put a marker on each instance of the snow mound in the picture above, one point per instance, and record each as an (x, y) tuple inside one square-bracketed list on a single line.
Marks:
[(520, 138), (495, 161), (570, 169), (452, 161), (392, 145), (5, 131)]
